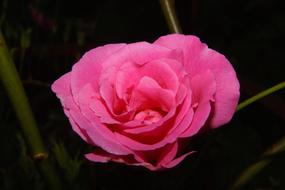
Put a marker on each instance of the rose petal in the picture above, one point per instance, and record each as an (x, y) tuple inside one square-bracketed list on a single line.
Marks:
[(227, 93), (199, 119), (62, 86), (168, 154), (148, 94), (123, 84), (165, 133), (197, 59), (176, 161), (156, 159), (99, 134), (203, 87), (62, 89), (81, 132), (169, 138), (89, 101), (103, 157), (138, 127), (180, 117), (88, 68), (114, 105), (144, 52), (181, 94), (165, 157), (162, 73), (138, 53)]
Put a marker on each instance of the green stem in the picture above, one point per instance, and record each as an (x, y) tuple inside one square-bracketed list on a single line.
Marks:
[(255, 168), (16, 93), (261, 95), (168, 8)]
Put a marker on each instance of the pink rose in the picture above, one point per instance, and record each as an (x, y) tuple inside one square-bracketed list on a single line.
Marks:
[(135, 102)]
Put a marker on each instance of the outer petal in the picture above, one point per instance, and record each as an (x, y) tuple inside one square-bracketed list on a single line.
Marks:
[(103, 157), (62, 86), (203, 89), (168, 154), (227, 93), (89, 130), (62, 89), (143, 52), (200, 117), (138, 53), (88, 68), (157, 159), (81, 132), (227, 87), (168, 160), (97, 132), (176, 161), (197, 59), (89, 100)]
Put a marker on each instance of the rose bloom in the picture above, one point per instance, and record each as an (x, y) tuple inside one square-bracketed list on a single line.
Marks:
[(138, 103)]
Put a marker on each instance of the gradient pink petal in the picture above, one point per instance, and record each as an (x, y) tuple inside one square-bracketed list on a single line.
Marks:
[(162, 73), (197, 59), (140, 127), (104, 157), (62, 89), (148, 94), (203, 87), (176, 161), (199, 119), (168, 154), (99, 134), (88, 68), (123, 84), (174, 130), (144, 52), (168, 138), (90, 99), (62, 86), (156, 159)]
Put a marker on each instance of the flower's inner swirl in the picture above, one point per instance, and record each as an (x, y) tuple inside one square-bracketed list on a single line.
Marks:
[(148, 116)]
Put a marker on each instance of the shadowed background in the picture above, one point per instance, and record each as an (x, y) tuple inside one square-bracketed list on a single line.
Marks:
[(46, 37)]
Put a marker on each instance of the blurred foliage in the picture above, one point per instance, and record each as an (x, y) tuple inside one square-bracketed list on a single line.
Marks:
[(70, 166), (46, 37), (25, 38)]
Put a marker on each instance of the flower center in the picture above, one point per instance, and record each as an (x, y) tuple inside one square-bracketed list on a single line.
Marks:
[(148, 116)]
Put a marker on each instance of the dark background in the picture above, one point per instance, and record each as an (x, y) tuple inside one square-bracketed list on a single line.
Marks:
[(46, 37)]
